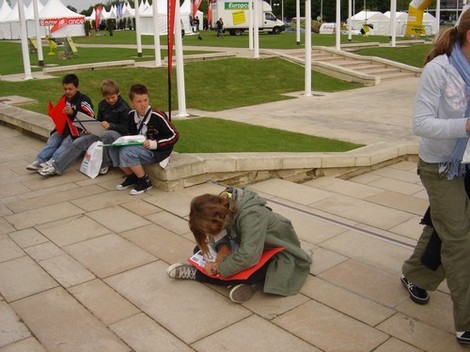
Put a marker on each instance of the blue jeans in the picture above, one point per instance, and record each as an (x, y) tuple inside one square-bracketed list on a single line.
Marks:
[(132, 156), (54, 147), (80, 146)]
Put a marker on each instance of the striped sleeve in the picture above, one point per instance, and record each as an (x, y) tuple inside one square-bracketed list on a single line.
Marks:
[(169, 135), (87, 108)]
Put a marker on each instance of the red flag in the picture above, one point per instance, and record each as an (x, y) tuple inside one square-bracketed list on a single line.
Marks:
[(171, 32), (59, 24), (196, 5), (209, 12), (57, 115), (98, 12)]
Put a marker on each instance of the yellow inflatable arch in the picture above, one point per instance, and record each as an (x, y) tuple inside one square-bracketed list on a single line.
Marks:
[(414, 25)]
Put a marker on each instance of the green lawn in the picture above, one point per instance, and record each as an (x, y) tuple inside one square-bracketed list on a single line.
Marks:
[(413, 55), (209, 86), (286, 40), (206, 135)]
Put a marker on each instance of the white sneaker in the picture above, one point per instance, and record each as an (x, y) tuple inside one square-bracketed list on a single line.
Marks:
[(48, 170), (104, 170), (46, 163), (34, 166)]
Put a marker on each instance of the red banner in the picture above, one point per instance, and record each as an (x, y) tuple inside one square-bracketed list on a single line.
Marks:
[(64, 21), (59, 24), (209, 12), (171, 32), (196, 4), (98, 12)]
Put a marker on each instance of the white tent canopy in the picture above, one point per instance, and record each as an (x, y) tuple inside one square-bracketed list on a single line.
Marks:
[(146, 22), (71, 23), (10, 24), (382, 26), (54, 12), (5, 10)]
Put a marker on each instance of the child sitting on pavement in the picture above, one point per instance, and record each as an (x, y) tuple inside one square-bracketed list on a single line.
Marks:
[(160, 136), (58, 143), (113, 113)]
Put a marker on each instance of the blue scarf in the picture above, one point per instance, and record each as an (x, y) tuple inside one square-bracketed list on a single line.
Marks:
[(454, 167)]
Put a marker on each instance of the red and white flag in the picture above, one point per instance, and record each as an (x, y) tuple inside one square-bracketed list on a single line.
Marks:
[(98, 12), (196, 4)]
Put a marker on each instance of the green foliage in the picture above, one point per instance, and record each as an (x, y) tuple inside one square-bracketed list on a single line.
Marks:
[(87, 28)]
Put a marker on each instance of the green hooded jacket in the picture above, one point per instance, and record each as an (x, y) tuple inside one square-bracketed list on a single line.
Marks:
[(255, 228)]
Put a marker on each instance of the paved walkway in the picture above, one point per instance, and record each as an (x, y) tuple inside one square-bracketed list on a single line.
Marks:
[(82, 266)]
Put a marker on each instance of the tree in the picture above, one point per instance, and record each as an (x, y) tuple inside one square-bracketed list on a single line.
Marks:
[(71, 8)]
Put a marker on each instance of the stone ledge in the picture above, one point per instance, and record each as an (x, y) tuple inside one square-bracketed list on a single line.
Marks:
[(185, 170), (89, 66)]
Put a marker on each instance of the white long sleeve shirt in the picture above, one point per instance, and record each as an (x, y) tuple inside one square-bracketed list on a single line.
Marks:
[(439, 111)]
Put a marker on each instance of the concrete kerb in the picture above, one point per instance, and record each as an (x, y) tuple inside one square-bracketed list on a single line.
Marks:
[(187, 170)]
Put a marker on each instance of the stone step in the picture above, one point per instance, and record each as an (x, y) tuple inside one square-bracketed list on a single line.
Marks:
[(379, 70), (397, 75), (362, 65)]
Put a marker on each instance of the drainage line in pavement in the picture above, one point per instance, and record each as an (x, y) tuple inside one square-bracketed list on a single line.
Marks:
[(335, 222), (344, 225)]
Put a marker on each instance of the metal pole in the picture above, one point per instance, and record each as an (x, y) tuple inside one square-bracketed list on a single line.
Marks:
[(24, 42), (137, 29), (321, 10), (393, 22), (250, 24), (308, 48), (349, 22), (179, 64), (282, 10), (338, 24), (258, 4), (297, 15), (38, 33), (156, 35)]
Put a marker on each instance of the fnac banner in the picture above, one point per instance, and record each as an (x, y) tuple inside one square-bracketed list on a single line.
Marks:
[(414, 25), (61, 22)]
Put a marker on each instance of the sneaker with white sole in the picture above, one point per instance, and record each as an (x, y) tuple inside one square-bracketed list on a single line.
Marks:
[(242, 292), (182, 271), (417, 294), (48, 171), (463, 337), (129, 181), (34, 166), (46, 163), (142, 185), (104, 170)]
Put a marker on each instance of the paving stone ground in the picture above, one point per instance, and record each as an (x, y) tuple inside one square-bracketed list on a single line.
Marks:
[(82, 267)]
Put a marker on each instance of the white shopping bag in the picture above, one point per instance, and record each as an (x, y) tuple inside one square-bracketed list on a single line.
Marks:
[(91, 163)]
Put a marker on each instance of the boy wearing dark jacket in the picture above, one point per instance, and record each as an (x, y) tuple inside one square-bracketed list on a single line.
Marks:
[(113, 113), (160, 136), (57, 143)]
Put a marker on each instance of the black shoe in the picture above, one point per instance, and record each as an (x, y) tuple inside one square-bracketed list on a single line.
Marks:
[(129, 181), (463, 337), (142, 185), (417, 295)]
